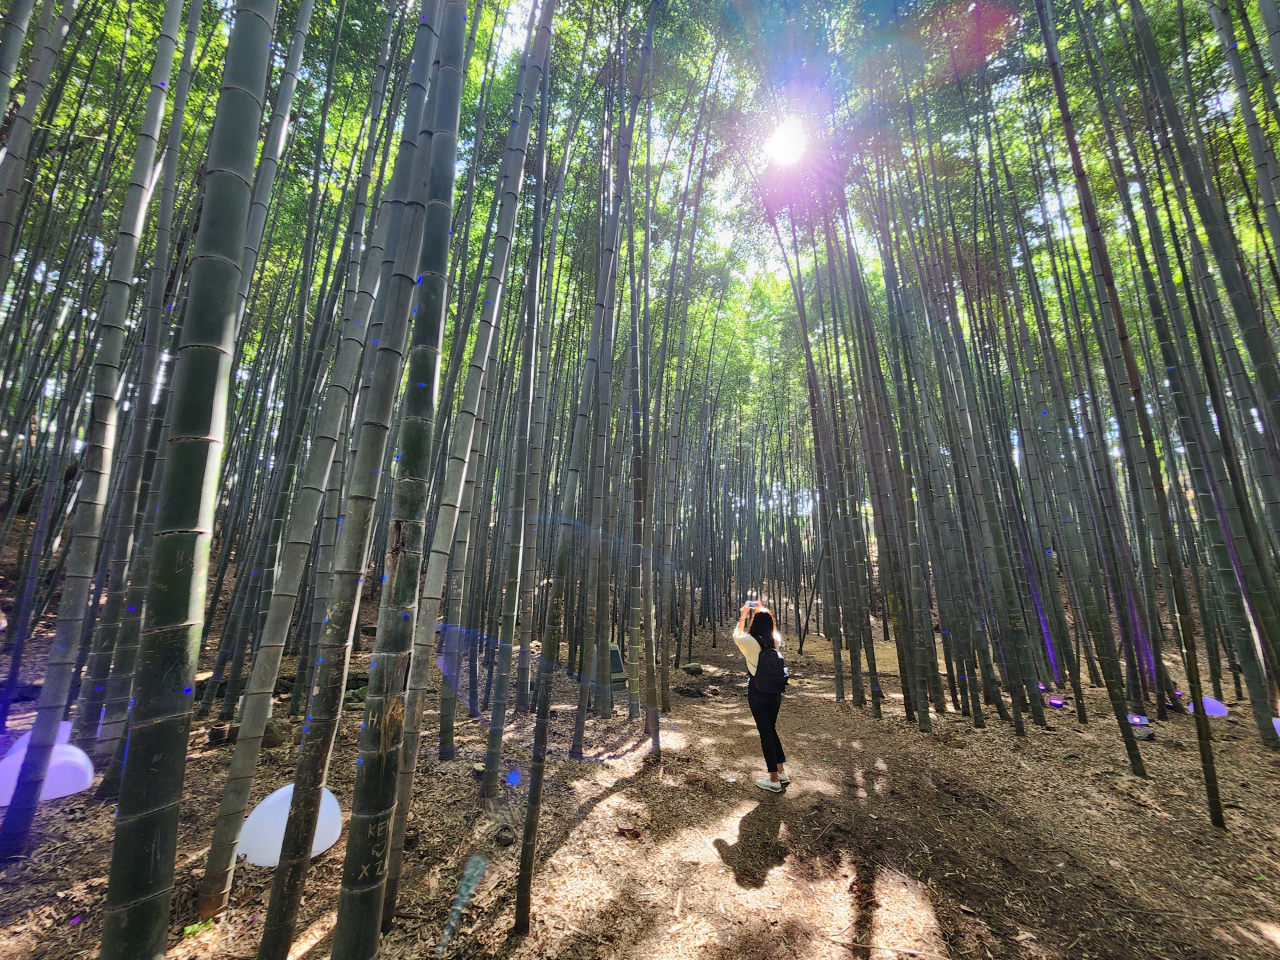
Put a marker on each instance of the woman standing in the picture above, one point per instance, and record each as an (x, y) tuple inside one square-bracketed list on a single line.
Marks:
[(759, 636)]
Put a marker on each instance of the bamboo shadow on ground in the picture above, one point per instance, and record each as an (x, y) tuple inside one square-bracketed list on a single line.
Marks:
[(831, 829)]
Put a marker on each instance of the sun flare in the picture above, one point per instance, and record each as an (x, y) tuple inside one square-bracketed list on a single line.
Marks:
[(786, 146)]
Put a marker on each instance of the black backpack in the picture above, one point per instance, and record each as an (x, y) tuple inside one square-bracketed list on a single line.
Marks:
[(771, 672)]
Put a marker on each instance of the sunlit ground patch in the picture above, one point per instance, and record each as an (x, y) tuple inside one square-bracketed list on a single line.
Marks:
[(904, 918)]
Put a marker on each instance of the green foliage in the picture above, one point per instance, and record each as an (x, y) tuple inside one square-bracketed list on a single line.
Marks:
[(191, 929)]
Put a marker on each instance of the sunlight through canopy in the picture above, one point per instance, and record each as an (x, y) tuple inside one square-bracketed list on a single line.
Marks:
[(786, 146)]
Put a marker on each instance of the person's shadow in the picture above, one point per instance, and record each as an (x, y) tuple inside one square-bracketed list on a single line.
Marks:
[(759, 848)]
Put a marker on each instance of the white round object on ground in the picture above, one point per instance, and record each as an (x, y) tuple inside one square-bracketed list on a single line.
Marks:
[(70, 771), (263, 833), (64, 736), (1214, 708)]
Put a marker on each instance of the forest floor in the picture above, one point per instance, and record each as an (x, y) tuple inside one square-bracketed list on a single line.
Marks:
[(889, 843)]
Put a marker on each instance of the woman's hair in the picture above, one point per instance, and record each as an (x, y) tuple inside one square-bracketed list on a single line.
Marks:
[(762, 628)]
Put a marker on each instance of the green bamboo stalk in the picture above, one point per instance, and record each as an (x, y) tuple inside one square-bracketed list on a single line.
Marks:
[(101, 446), (136, 918)]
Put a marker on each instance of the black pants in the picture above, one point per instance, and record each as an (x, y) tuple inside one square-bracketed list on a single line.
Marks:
[(764, 707)]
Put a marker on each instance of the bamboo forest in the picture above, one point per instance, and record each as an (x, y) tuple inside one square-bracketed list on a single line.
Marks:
[(646, 479)]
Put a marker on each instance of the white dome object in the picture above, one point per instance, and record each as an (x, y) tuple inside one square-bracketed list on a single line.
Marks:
[(20, 745), (70, 771), (263, 833)]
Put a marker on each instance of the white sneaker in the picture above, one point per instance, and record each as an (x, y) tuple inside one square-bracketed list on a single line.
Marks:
[(773, 786), (784, 778)]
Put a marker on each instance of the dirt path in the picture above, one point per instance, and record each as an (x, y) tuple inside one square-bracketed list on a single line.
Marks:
[(889, 843)]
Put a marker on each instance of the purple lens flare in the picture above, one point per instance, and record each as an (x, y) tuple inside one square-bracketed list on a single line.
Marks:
[(1214, 708)]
